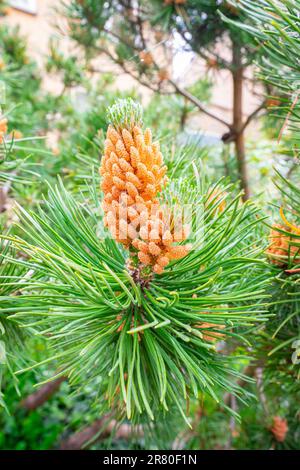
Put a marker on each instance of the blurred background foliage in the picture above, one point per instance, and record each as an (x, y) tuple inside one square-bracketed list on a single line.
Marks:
[(50, 135)]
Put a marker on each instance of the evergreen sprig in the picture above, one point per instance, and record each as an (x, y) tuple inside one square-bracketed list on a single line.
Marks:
[(275, 27), (145, 343), (12, 338), (125, 113), (285, 326)]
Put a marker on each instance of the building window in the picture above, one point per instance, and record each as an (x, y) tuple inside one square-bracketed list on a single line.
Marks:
[(27, 6)]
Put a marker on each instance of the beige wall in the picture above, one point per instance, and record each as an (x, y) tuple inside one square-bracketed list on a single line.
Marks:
[(222, 98), (222, 92), (38, 29)]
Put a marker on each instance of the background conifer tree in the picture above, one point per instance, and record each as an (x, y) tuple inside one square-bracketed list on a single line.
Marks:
[(140, 37)]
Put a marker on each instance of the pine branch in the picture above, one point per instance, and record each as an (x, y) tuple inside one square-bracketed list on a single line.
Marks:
[(43, 394), (197, 103), (253, 115), (154, 322)]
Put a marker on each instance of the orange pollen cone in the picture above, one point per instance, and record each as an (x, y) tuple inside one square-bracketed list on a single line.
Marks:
[(132, 175)]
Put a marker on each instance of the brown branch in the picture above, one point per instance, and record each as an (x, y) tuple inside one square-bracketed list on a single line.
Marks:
[(292, 271), (260, 390), (100, 429), (197, 103), (239, 138), (43, 394), (193, 99), (129, 72), (252, 116)]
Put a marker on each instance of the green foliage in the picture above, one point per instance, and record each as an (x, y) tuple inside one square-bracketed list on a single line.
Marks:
[(85, 294), (3, 7), (285, 326), (96, 14), (125, 113), (13, 47), (68, 67), (200, 25), (197, 22), (17, 69), (11, 337), (138, 351), (46, 426), (213, 429), (275, 28), (25, 107)]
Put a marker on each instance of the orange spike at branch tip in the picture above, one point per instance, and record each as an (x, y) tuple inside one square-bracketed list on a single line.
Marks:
[(133, 173)]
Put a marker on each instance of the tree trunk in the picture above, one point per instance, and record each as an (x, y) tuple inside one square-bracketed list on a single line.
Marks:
[(249, 372), (42, 395), (100, 429), (237, 127), (184, 114)]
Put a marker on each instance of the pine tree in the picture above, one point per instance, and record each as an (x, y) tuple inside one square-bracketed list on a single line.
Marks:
[(138, 37), (277, 28), (273, 422), (162, 322), (150, 336)]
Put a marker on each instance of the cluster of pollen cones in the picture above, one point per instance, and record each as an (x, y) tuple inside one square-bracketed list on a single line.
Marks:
[(283, 246), (175, 2), (279, 428), (3, 129), (211, 336), (133, 174)]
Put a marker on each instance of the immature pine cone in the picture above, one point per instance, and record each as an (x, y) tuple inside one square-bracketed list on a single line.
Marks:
[(15, 134), (279, 428), (146, 58), (211, 336), (163, 74), (205, 327), (176, 2), (132, 176), (3, 129), (281, 248)]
